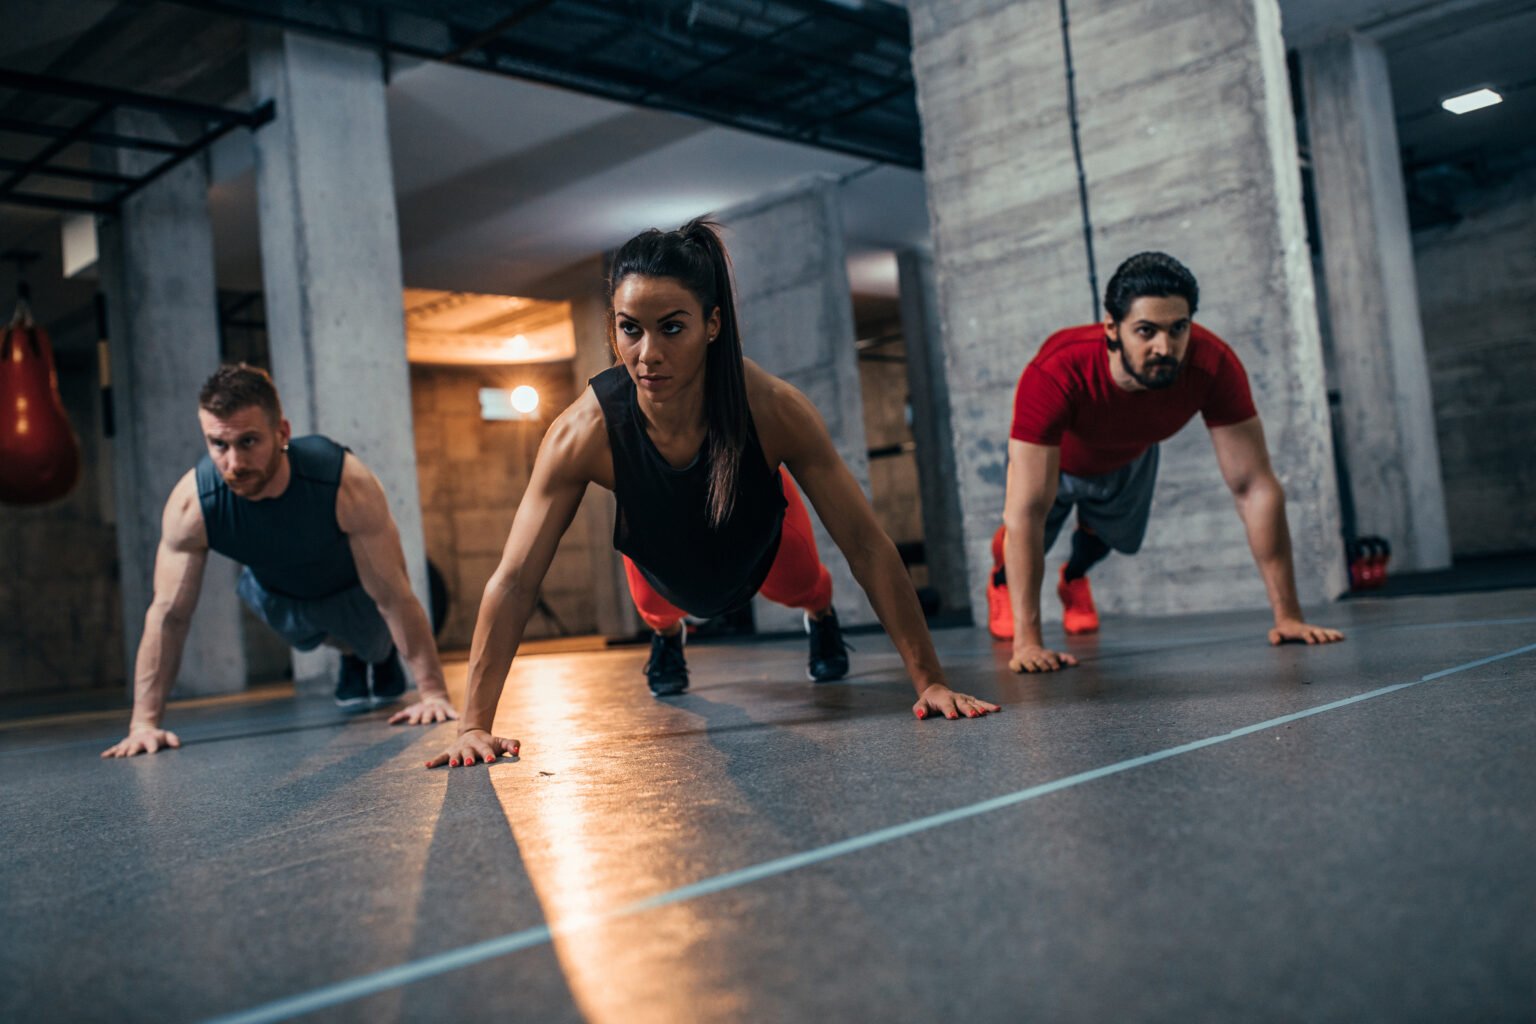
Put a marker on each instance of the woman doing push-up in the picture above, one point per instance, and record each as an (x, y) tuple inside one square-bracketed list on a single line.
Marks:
[(694, 441)]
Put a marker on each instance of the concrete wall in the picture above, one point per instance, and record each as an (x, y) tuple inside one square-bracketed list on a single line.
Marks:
[(893, 482), (330, 256), (1477, 289), (1374, 333), (932, 431), (472, 474), (60, 619), (1189, 146), (157, 273), (796, 317)]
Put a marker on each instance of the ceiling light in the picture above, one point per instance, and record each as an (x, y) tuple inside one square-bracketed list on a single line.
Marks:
[(1470, 101)]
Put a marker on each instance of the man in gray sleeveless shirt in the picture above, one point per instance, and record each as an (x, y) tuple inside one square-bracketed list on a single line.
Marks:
[(322, 558)]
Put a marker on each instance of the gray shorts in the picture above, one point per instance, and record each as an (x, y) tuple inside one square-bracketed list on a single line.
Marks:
[(348, 618), (1114, 506)]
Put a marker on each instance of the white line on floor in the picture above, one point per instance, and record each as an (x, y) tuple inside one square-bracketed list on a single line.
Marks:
[(479, 952)]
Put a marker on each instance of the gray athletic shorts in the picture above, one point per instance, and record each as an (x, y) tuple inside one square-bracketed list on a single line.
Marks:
[(1114, 506), (349, 618)]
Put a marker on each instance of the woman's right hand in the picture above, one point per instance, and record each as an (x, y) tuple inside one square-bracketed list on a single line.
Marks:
[(475, 746)]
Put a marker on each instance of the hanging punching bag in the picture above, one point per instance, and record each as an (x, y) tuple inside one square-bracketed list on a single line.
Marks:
[(39, 453)]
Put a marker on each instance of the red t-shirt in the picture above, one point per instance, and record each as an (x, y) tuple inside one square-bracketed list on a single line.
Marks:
[(1067, 397)]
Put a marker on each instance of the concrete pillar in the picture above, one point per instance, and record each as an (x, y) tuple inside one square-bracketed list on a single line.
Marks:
[(1194, 153), (1390, 445), (927, 383), (796, 313), (157, 274), (330, 256), (614, 611)]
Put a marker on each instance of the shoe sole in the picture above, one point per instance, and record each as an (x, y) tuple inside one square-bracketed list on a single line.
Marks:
[(351, 703), (669, 691), (379, 702)]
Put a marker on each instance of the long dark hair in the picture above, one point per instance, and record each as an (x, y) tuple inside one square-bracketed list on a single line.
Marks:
[(694, 256)]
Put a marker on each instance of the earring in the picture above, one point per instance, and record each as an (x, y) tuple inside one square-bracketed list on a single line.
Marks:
[(285, 447)]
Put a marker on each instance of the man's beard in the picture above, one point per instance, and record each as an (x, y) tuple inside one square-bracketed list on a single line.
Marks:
[(253, 481), (1155, 374)]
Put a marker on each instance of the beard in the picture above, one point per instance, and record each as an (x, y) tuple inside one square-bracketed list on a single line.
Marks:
[(253, 481), (1155, 374)]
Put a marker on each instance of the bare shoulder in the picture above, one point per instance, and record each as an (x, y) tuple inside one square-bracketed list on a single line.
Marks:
[(181, 527), (361, 504), (787, 423), (575, 449)]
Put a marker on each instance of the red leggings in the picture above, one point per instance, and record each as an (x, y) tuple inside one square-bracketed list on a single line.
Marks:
[(796, 579)]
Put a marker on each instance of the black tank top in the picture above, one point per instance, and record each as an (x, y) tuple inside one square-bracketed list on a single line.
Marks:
[(663, 523), (291, 543)]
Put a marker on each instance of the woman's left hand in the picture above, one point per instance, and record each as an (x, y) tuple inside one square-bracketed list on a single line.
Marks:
[(939, 699)]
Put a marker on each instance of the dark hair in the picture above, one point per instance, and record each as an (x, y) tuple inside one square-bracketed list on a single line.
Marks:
[(695, 257), (232, 388), (1149, 273)]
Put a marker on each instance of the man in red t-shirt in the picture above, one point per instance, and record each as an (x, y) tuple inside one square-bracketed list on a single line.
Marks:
[(1089, 412)]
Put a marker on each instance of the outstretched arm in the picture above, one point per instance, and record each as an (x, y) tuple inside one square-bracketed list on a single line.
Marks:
[(179, 562), (1244, 461), (362, 512), (1033, 476), (800, 438), (555, 489)]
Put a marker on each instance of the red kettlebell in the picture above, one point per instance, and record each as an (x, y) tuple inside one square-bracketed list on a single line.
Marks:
[(39, 452)]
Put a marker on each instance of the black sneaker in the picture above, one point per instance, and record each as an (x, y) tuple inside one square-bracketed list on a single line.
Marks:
[(387, 681), (829, 654), (667, 672), (352, 683)]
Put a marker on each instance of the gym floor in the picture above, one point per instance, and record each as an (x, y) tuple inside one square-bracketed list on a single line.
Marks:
[(1190, 826)]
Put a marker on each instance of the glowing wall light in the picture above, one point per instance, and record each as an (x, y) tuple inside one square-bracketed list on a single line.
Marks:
[(525, 399), (519, 403)]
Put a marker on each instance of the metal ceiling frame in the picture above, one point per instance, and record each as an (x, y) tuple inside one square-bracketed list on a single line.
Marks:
[(817, 72), (213, 123)]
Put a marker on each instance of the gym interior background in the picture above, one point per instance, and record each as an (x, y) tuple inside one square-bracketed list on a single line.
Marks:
[(507, 150), (403, 209)]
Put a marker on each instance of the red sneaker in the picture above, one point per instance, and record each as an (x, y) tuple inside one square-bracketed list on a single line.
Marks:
[(1078, 615), (999, 611)]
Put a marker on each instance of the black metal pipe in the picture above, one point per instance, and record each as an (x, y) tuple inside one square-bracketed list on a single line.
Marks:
[(1077, 156)]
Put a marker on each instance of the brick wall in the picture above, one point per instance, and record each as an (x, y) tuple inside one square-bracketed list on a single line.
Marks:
[(472, 474)]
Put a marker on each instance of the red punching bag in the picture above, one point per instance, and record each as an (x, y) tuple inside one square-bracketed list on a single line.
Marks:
[(39, 453)]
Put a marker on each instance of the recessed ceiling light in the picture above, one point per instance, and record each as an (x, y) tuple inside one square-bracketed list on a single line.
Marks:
[(1470, 101)]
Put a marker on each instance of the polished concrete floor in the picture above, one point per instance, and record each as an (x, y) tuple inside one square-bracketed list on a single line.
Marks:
[(1191, 826)]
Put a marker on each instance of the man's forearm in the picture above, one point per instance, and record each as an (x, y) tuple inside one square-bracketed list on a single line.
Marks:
[(412, 633), (1262, 510), (1024, 563), (156, 665)]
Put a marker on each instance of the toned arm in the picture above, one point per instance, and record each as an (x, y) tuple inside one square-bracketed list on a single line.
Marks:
[(573, 454), (1033, 475), (1244, 460), (793, 433), (178, 578), (362, 512)]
